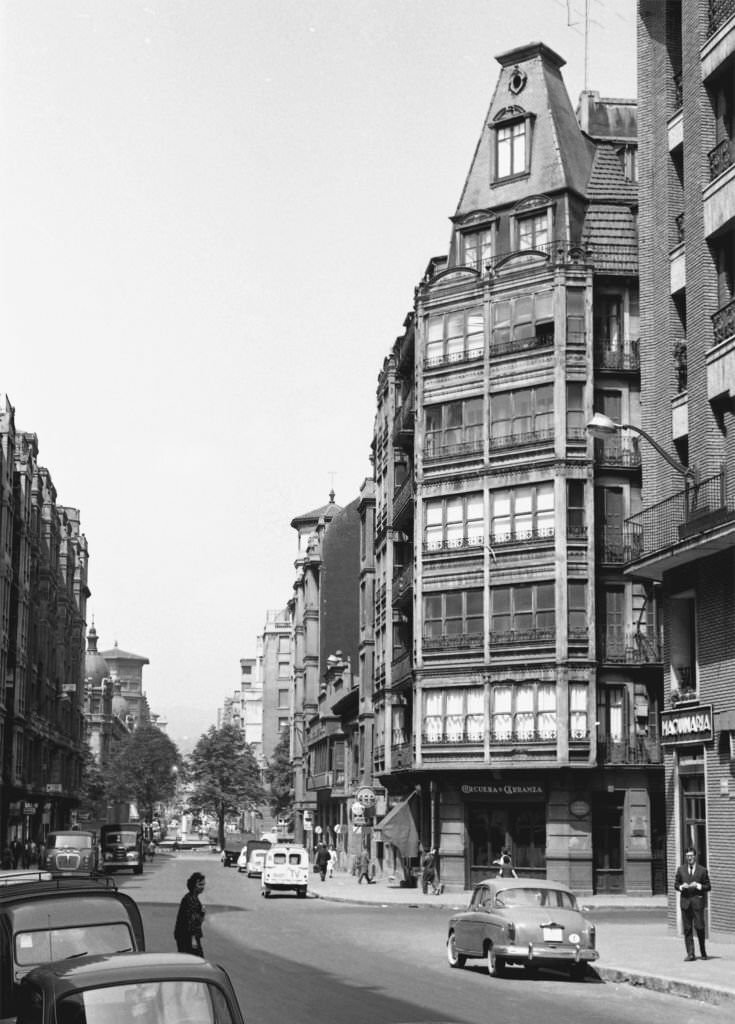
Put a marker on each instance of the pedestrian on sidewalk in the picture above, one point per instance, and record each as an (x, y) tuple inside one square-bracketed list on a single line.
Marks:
[(428, 871), (189, 919), (692, 883), (505, 864), (332, 861), (321, 860), (363, 870)]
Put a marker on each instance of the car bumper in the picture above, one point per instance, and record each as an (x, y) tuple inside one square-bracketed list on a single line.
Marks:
[(537, 953)]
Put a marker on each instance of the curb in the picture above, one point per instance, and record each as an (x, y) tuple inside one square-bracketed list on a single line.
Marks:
[(669, 986)]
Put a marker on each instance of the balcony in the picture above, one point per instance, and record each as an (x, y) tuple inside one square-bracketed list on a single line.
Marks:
[(558, 252), (720, 158), (401, 668), (401, 756), (624, 356), (723, 322), (436, 450), (720, 11), (404, 422), (618, 453), (322, 780), (403, 502), (612, 547), (689, 526), (542, 338), (527, 637), (635, 648), (474, 543), (522, 439), (456, 642), (403, 585), (469, 355), (637, 751)]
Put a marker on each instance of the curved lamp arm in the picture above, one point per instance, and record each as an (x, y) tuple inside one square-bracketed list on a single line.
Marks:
[(601, 426)]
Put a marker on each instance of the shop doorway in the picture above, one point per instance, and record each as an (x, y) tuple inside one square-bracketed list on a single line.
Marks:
[(520, 828), (607, 841), (694, 811)]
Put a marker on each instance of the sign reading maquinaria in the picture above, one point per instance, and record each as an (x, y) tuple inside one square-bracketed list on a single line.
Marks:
[(687, 725)]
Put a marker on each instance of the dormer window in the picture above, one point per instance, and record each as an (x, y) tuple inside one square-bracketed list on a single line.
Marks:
[(533, 231), (476, 248), (512, 127), (629, 159)]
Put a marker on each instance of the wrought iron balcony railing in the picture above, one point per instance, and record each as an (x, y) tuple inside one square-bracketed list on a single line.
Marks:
[(640, 750), (436, 450), (664, 525), (719, 12), (522, 636), (720, 158), (522, 438), (621, 453), (455, 544), (723, 322), (470, 354), (458, 641), (625, 355), (543, 338), (635, 648)]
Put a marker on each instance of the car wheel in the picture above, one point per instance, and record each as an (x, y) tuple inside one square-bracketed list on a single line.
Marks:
[(495, 964), (531, 970), (454, 959), (138, 869), (578, 972)]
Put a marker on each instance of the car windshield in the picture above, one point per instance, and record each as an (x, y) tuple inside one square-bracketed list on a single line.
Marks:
[(76, 842), (121, 838), (39, 947), (533, 897), (139, 1002)]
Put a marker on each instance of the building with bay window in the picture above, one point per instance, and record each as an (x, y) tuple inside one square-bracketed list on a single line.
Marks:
[(517, 670)]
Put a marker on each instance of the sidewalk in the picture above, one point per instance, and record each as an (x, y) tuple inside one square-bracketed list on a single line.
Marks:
[(637, 952)]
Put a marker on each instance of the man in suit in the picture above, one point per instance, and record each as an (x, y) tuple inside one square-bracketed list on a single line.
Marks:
[(692, 883)]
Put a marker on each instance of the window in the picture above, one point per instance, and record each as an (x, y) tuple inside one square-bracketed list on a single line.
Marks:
[(522, 513), (577, 609), (609, 320), (476, 248), (284, 669), (578, 711), (282, 724), (283, 698), (453, 613), (455, 336), (455, 521), (454, 715), (524, 711), (575, 509), (527, 609), (683, 634), (533, 231), (516, 416), (629, 160), (453, 427), (576, 420), (526, 321), (511, 149), (575, 315)]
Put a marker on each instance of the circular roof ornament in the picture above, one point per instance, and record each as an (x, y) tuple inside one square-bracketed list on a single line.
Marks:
[(517, 81)]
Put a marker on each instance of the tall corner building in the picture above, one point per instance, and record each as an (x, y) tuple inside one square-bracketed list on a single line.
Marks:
[(518, 677), (682, 539)]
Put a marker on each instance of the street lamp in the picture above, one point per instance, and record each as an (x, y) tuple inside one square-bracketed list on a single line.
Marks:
[(602, 426)]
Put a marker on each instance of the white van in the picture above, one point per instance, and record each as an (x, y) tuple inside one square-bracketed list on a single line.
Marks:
[(285, 867)]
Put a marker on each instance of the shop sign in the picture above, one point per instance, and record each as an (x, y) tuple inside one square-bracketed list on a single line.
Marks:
[(505, 790), (366, 796), (687, 725), (29, 808), (579, 808)]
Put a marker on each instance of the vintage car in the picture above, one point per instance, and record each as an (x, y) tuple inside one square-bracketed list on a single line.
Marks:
[(253, 856), (153, 988), (286, 867), (46, 918), (73, 852), (528, 922), (254, 863)]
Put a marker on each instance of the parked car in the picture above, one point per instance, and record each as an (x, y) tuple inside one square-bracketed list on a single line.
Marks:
[(156, 988), (235, 843), (285, 868), (524, 921), (72, 852), (252, 857), (254, 863), (44, 918)]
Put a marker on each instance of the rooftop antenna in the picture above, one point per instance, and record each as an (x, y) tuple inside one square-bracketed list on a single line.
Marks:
[(573, 24)]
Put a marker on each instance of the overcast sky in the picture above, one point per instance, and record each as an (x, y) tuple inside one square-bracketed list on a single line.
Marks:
[(213, 217)]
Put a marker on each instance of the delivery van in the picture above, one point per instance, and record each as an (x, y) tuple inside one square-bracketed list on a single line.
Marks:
[(285, 868)]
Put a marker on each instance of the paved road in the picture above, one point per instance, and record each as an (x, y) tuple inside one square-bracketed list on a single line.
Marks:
[(310, 960)]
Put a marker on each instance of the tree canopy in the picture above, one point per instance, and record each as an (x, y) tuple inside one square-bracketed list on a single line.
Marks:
[(279, 776), (141, 770), (224, 775)]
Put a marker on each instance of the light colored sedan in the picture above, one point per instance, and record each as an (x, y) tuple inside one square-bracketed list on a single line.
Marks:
[(524, 921)]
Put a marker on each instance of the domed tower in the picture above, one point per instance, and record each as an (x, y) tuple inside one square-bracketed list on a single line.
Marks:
[(97, 694)]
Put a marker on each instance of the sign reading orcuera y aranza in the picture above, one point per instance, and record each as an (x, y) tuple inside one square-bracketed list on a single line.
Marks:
[(687, 725)]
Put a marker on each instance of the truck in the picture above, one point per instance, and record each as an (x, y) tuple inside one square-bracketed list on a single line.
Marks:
[(121, 848), (235, 843)]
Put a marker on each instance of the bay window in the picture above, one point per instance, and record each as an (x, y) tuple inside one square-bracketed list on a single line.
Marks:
[(578, 711), (454, 426), (526, 609), (454, 715), (453, 613), (577, 621), (452, 337), (522, 513), (522, 321), (523, 712), (454, 521), (518, 416)]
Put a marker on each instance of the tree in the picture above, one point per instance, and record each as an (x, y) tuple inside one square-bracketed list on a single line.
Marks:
[(92, 790), (224, 774), (279, 776), (141, 770)]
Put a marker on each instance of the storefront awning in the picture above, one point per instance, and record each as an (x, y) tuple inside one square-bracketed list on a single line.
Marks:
[(399, 828)]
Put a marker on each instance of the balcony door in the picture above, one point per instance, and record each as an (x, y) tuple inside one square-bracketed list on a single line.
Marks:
[(613, 622), (607, 842)]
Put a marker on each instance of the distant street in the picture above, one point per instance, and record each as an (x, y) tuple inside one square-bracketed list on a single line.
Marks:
[(312, 960)]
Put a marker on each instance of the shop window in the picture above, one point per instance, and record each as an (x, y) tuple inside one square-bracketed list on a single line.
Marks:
[(520, 828)]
